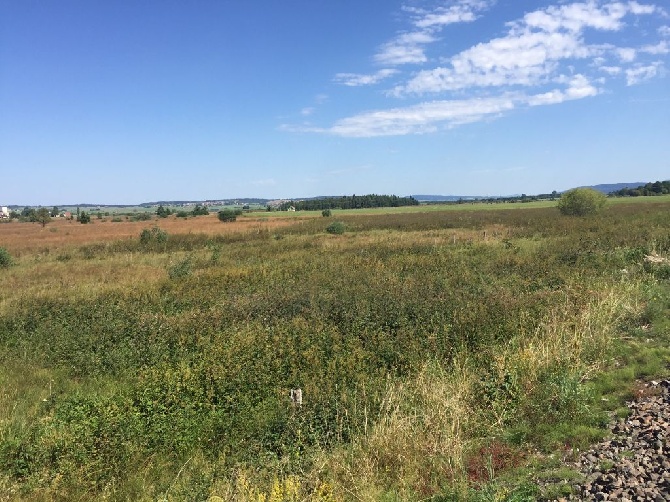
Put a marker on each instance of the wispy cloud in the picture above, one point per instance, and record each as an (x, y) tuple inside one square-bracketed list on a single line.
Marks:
[(640, 73), (356, 79), (660, 48), (418, 119), (409, 47)]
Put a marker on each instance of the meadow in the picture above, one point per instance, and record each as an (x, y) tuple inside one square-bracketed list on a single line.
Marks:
[(442, 354)]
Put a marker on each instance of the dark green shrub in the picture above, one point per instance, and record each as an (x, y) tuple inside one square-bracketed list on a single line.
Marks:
[(336, 227), (226, 215), (163, 212), (154, 239), (199, 210), (326, 213), (84, 217), (182, 214), (5, 258), (142, 217)]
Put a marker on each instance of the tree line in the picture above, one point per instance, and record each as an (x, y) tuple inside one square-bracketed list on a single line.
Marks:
[(349, 202), (655, 188)]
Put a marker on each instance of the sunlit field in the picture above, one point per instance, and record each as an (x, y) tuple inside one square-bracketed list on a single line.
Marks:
[(442, 354)]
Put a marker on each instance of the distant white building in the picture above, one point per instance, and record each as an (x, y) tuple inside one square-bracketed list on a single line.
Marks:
[(4, 212)]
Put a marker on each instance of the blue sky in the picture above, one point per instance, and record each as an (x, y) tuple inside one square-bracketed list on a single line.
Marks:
[(130, 101)]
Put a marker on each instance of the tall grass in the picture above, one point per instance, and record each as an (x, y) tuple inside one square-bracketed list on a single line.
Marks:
[(434, 352)]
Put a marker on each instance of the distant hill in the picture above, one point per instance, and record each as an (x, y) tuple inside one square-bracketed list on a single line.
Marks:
[(613, 187)]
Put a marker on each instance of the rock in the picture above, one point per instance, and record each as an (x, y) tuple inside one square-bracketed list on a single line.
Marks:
[(639, 450)]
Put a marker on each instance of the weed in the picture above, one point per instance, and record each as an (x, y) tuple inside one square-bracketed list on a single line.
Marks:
[(336, 227), (180, 269), (5, 258)]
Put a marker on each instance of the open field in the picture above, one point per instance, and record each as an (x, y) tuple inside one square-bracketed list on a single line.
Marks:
[(442, 354), (61, 233)]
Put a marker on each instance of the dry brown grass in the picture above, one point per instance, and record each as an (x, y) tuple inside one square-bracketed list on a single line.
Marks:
[(20, 238)]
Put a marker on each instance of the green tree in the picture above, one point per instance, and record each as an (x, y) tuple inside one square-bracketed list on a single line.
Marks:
[(84, 217), (227, 215), (581, 202), (199, 210), (55, 211), (43, 216), (28, 214), (163, 212)]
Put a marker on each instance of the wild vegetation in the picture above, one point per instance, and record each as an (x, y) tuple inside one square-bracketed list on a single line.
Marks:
[(442, 355), (581, 202)]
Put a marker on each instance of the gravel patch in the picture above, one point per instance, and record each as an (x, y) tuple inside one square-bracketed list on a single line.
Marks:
[(633, 464)]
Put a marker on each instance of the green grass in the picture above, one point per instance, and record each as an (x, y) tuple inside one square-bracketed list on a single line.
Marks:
[(442, 353)]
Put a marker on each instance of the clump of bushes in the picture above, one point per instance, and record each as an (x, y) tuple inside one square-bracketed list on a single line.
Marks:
[(326, 213), (226, 215), (153, 238), (199, 210), (581, 202), (5, 258), (336, 227)]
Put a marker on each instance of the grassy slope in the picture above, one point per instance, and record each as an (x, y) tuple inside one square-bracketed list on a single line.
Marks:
[(435, 351)]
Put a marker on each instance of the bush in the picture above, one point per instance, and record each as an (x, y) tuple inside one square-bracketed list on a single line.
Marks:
[(153, 237), (326, 213), (199, 210), (182, 214), (5, 258), (581, 202), (180, 269), (336, 227), (227, 215), (142, 217), (84, 217)]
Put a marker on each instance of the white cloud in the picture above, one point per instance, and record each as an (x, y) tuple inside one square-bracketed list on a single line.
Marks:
[(527, 59), (611, 70), (641, 73), (660, 48), (404, 49), (579, 87), (575, 17), (421, 118), (532, 50), (664, 31), (626, 54), (408, 47), (638, 9), (355, 79), (543, 59), (307, 111), (463, 12)]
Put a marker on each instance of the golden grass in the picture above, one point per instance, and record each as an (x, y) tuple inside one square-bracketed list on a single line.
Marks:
[(21, 238)]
